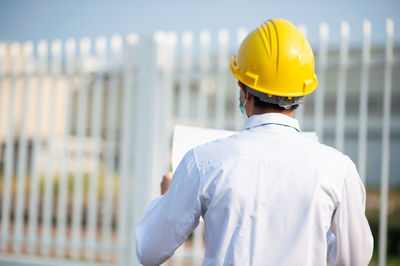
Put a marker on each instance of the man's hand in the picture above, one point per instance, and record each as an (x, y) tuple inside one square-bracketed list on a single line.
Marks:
[(166, 181)]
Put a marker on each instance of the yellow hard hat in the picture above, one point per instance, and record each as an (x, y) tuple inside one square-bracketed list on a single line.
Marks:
[(276, 59)]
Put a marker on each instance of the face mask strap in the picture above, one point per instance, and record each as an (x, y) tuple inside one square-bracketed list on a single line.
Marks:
[(242, 110), (245, 100)]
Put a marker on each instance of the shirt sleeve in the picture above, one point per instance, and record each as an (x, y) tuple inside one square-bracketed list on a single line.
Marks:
[(354, 241), (172, 217)]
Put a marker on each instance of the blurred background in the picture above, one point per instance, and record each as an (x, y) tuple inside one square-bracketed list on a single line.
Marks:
[(90, 92)]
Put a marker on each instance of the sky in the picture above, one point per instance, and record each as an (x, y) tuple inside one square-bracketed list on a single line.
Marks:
[(23, 20)]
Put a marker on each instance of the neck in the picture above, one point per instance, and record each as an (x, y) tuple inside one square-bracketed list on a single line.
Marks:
[(258, 111)]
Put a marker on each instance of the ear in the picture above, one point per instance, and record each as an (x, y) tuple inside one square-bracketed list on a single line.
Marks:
[(245, 92), (242, 88)]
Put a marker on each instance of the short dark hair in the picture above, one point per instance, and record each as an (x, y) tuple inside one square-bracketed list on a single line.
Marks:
[(264, 105)]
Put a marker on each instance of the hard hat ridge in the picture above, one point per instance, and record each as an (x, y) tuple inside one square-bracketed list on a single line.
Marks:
[(265, 31)]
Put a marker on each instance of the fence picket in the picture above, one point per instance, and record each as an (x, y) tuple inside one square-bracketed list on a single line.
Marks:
[(22, 149), (202, 97), (36, 150), (320, 92), (50, 145), (95, 149), (9, 151), (143, 148), (111, 122), (186, 67), (62, 206), (341, 88), (124, 150), (220, 91), (2, 98), (363, 109), (81, 129), (387, 97)]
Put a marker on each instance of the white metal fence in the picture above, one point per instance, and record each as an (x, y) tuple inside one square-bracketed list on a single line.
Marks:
[(85, 133)]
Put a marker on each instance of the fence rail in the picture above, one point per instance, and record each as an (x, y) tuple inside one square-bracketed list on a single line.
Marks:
[(85, 132)]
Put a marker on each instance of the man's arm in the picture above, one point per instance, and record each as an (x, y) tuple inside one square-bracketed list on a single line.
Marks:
[(354, 242), (171, 217)]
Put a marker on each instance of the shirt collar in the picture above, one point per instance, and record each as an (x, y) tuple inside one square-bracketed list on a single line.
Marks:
[(272, 118)]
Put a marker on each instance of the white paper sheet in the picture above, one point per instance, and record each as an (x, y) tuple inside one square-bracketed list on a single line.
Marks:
[(186, 138)]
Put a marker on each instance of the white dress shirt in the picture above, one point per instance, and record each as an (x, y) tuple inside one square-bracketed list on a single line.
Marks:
[(268, 196)]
